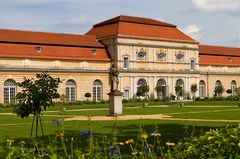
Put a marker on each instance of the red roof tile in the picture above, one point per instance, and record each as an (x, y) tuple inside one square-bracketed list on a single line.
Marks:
[(218, 50), (215, 60), (17, 36), (138, 27), (138, 20), (53, 52)]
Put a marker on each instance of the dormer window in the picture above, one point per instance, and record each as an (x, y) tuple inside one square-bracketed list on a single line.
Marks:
[(38, 49), (94, 52), (229, 59)]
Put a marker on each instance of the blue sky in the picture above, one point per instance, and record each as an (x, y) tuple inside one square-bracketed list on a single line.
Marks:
[(214, 22)]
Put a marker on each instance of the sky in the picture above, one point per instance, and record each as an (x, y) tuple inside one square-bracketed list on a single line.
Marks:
[(212, 22)]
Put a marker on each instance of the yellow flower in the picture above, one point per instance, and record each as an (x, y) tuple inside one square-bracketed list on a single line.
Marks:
[(156, 134), (170, 143), (189, 148), (210, 137), (118, 143), (134, 152), (239, 145), (129, 141), (22, 142), (144, 136), (10, 141), (61, 134)]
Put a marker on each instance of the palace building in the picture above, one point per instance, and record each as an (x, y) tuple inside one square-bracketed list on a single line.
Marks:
[(146, 51)]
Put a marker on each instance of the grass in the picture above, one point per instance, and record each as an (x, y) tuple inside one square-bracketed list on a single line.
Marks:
[(12, 126)]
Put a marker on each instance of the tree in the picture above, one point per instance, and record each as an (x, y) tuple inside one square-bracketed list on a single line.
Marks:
[(218, 90), (142, 90), (160, 89), (194, 89), (36, 95), (179, 91)]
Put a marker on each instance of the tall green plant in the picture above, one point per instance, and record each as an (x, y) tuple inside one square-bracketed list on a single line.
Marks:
[(142, 90), (219, 90), (36, 95), (160, 89), (179, 91), (194, 89)]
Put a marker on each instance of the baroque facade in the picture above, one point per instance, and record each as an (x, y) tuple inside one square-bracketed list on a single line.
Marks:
[(146, 51)]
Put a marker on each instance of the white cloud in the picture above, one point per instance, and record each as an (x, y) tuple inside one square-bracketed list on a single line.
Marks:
[(193, 31), (216, 5), (76, 22)]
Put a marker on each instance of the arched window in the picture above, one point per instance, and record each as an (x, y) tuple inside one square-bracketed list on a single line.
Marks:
[(218, 88), (140, 90), (141, 82), (202, 89), (180, 82), (9, 91), (71, 90), (233, 87), (162, 92), (97, 90)]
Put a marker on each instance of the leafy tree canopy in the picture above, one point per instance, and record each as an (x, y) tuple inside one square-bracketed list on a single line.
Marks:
[(36, 95)]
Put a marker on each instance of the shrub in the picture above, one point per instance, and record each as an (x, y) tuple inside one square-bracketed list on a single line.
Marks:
[(219, 143), (228, 91), (197, 99)]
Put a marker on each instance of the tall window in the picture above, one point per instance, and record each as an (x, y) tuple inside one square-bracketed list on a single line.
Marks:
[(201, 88), (192, 65), (218, 88), (71, 90), (180, 82), (97, 90), (141, 82), (162, 93), (233, 87), (9, 91), (126, 93), (125, 62)]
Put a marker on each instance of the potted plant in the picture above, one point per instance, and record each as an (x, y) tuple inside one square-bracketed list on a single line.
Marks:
[(159, 89), (87, 95)]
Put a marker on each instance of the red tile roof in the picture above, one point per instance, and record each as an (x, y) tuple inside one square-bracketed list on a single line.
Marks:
[(219, 60), (138, 20), (218, 50), (17, 36), (138, 27), (219, 55), (53, 52)]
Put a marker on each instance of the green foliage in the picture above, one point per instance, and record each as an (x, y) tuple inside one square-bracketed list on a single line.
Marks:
[(238, 92), (218, 143), (37, 94), (228, 91), (142, 90), (218, 90), (179, 91), (221, 143), (194, 89), (159, 89)]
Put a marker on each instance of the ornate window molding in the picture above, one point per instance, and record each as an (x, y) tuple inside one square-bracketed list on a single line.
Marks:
[(179, 55), (161, 56), (141, 54)]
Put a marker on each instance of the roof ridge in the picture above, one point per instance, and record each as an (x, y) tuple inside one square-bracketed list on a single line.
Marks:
[(134, 19), (46, 32), (219, 46)]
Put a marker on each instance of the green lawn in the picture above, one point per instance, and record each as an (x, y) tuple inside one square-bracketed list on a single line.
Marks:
[(12, 126)]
